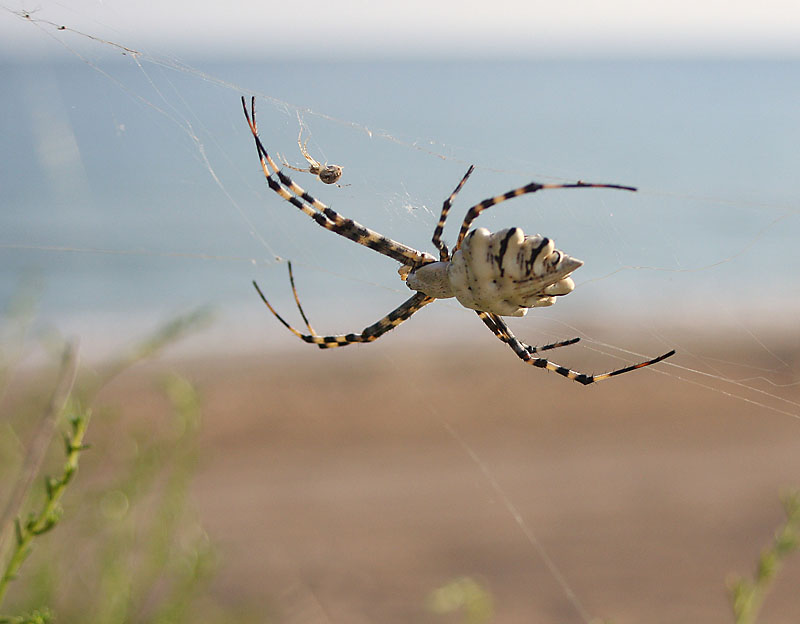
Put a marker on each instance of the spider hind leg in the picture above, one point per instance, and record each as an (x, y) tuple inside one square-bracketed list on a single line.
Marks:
[(369, 334), (499, 329), (524, 352), (297, 300)]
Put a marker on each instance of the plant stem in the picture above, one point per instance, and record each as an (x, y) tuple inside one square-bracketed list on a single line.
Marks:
[(49, 515), (747, 597)]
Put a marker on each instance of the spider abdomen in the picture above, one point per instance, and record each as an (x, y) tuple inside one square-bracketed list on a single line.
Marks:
[(507, 272)]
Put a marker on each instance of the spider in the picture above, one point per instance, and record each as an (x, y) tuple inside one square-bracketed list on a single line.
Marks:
[(329, 174), (496, 274)]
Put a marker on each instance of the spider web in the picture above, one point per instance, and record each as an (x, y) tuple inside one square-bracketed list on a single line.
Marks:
[(150, 200)]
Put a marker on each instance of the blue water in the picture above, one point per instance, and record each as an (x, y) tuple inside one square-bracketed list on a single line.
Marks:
[(109, 194)]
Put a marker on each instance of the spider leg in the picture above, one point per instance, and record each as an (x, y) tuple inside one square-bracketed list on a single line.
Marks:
[(477, 209), (502, 331), (582, 378), (285, 163), (297, 300), (369, 334), (325, 216), (444, 254), (304, 151)]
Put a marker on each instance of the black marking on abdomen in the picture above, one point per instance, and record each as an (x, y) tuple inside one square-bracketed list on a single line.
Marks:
[(503, 247), (535, 254)]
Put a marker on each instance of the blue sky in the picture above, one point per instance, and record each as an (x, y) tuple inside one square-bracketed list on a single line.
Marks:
[(320, 29)]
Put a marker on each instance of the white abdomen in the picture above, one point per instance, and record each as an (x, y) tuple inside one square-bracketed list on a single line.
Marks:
[(504, 273)]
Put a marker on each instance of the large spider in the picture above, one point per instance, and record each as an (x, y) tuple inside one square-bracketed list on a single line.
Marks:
[(496, 274)]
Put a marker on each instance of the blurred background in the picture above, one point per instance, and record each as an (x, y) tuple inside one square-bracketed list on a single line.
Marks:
[(346, 486)]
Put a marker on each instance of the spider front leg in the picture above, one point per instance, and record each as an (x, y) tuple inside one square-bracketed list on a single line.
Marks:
[(524, 354), (369, 334), (444, 254), (477, 209), (324, 216)]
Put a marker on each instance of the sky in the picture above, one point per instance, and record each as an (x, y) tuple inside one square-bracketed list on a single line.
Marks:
[(362, 29)]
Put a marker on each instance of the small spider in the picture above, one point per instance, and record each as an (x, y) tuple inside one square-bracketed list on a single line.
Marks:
[(329, 174), (496, 274)]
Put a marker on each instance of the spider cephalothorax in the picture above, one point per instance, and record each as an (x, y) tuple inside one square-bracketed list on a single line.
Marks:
[(496, 274)]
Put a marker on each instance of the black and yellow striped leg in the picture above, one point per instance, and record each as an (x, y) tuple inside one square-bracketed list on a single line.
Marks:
[(322, 214), (504, 333), (477, 209), (444, 254), (297, 300), (369, 334)]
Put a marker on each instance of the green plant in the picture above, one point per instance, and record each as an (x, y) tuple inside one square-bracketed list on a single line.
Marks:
[(747, 596), (162, 584), (37, 524), (463, 595), (151, 555), (48, 516)]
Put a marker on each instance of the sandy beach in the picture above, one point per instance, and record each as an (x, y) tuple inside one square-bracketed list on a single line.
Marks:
[(346, 486)]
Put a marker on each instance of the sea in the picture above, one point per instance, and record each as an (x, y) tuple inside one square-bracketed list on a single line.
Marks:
[(131, 192)]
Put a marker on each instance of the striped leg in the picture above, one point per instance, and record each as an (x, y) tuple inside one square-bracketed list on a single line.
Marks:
[(369, 334), (504, 333), (325, 216), (297, 300), (477, 209), (444, 254)]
